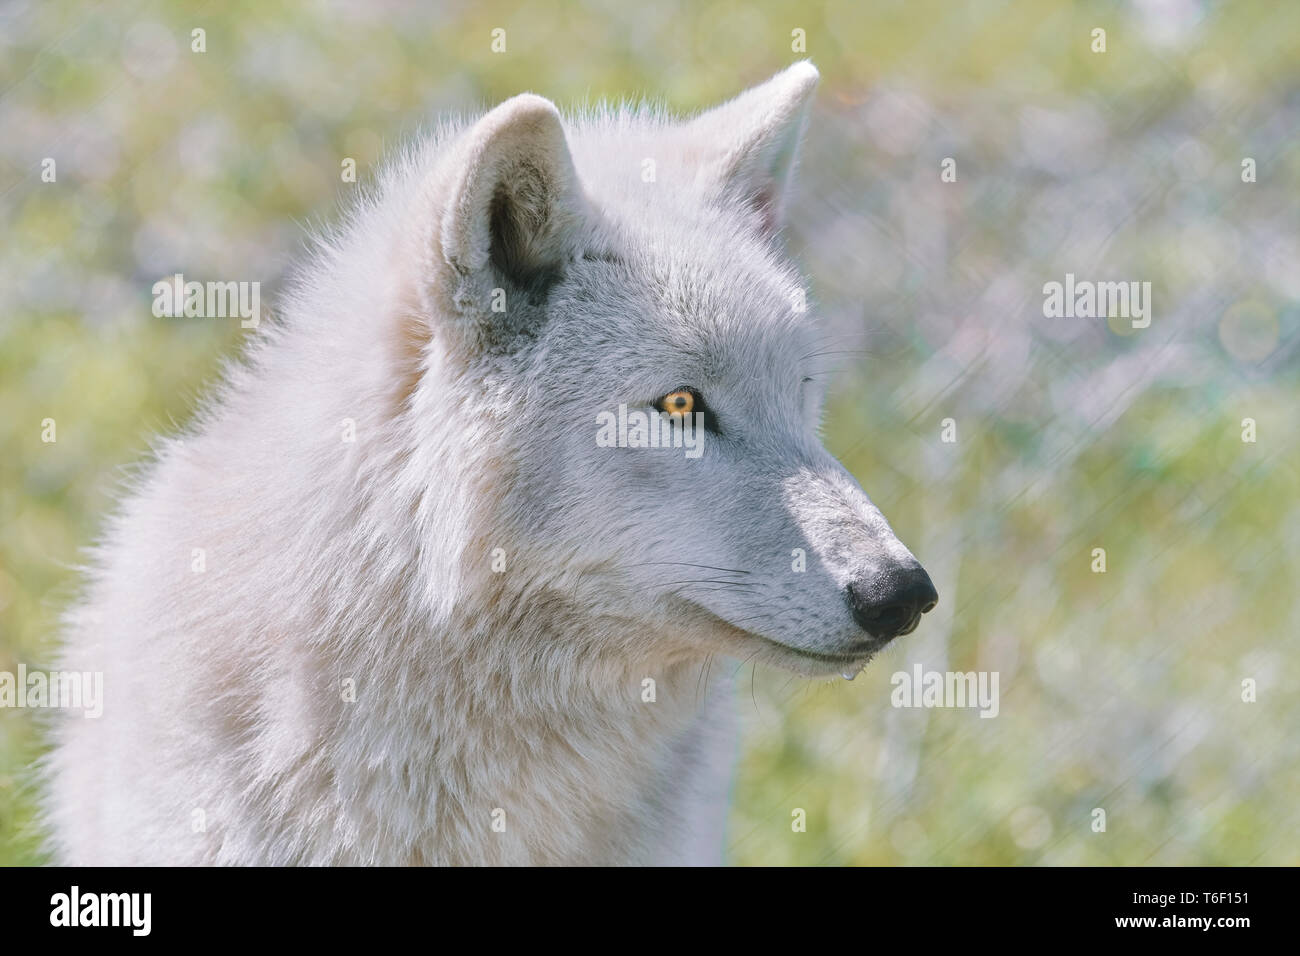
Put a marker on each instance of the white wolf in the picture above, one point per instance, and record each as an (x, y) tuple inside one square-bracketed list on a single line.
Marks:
[(390, 601)]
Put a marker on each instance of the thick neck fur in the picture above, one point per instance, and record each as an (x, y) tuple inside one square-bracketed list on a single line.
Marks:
[(476, 692)]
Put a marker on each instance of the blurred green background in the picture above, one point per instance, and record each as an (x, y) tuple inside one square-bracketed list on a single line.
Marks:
[(1120, 690)]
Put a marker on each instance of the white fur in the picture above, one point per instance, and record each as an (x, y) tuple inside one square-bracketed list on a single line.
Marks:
[(371, 561)]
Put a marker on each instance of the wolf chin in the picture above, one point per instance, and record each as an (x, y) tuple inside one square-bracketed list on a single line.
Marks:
[(388, 601)]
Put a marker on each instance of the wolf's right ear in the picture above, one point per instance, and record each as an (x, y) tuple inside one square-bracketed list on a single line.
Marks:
[(745, 149), (511, 206)]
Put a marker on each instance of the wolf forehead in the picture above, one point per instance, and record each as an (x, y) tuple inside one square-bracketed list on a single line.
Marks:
[(688, 272), (684, 291)]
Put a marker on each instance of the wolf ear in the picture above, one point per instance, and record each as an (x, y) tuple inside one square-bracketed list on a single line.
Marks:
[(512, 202), (745, 149)]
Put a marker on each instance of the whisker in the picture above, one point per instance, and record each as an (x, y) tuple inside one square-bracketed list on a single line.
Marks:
[(686, 564), (735, 584)]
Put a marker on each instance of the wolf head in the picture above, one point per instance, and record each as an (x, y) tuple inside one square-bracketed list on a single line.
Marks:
[(591, 279)]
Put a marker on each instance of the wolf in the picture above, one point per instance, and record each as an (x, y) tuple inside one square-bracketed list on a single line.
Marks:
[(387, 600)]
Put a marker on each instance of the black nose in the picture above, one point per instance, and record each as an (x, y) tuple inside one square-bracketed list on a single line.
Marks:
[(887, 605)]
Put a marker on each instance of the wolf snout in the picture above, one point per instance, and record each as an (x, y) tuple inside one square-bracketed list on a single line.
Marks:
[(891, 604)]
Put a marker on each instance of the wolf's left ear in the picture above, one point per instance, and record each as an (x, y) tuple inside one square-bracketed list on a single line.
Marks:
[(745, 149), (512, 202)]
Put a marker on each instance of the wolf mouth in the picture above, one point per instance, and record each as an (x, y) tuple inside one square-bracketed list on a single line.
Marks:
[(857, 659)]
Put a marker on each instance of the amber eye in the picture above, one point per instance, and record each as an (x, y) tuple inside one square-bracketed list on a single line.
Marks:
[(680, 402)]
